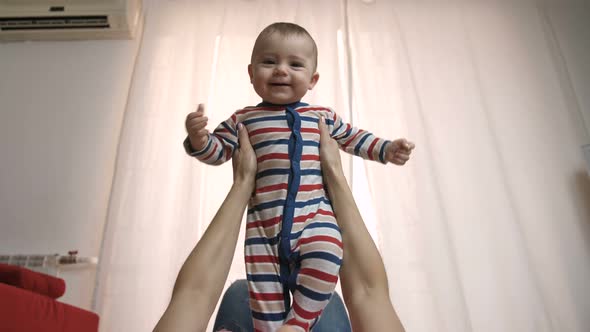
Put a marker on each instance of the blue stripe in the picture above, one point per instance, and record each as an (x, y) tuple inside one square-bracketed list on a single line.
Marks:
[(273, 171), (269, 118), (335, 131), (263, 277), (262, 240), (231, 131), (316, 225), (283, 171), (312, 202), (220, 154), (360, 144), (313, 295), (323, 255), (382, 152), (316, 120), (267, 143), (269, 317), (279, 202), (267, 205), (283, 142), (202, 152)]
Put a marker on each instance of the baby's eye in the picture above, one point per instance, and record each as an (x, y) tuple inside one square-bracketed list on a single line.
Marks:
[(297, 64), (268, 62)]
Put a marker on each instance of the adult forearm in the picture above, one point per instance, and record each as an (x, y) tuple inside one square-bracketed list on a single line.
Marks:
[(202, 276), (215, 250)]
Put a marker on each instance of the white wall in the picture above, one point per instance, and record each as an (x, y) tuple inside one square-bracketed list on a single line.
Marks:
[(61, 109)]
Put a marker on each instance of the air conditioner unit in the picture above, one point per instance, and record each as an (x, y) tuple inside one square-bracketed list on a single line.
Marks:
[(69, 19)]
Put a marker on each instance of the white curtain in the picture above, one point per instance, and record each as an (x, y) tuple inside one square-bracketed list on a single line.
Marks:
[(486, 229)]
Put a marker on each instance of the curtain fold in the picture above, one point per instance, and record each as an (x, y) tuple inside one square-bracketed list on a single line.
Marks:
[(485, 229)]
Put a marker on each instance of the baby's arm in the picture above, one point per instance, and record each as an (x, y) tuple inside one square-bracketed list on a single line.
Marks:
[(364, 144), (212, 149), (357, 141)]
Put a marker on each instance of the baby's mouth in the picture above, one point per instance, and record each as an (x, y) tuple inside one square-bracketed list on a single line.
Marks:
[(279, 84)]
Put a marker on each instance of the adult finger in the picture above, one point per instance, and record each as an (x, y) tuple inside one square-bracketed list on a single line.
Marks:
[(243, 138), (323, 128)]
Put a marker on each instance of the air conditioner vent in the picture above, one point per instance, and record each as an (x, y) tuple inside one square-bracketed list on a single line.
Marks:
[(22, 20), (62, 22)]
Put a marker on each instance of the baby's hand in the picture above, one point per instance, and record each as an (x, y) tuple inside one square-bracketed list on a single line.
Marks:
[(398, 151), (195, 126)]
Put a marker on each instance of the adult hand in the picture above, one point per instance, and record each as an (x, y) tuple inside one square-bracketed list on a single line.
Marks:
[(244, 159), (398, 151), (195, 126), (329, 153)]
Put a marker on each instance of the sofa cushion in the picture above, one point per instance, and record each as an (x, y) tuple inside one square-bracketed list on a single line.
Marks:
[(24, 311), (33, 281)]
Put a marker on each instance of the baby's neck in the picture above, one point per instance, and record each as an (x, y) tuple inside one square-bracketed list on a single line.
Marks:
[(294, 104)]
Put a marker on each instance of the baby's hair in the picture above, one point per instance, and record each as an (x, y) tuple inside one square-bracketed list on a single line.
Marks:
[(286, 29)]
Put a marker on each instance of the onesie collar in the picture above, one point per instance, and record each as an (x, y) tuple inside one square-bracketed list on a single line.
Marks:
[(291, 105)]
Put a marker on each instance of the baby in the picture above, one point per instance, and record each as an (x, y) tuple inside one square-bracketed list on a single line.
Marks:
[(293, 242)]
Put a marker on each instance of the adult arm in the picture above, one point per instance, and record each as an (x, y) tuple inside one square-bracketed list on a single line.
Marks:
[(363, 279), (202, 277)]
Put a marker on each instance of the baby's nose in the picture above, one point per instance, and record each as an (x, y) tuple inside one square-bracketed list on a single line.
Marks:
[(280, 70)]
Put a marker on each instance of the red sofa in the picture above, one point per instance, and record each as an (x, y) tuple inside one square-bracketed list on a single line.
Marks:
[(28, 304)]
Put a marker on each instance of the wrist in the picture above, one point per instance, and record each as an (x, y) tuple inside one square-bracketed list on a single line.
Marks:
[(246, 185), (334, 176)]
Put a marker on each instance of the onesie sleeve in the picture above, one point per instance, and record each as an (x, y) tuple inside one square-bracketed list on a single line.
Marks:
[(357, 141), (220, 146)]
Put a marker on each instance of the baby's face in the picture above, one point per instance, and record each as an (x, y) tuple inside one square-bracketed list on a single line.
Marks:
[(282, 69)]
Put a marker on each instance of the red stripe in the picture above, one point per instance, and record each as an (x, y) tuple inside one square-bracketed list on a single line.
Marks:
[(273, 187), (310, 157), (319, 275), (293, 321), (284, 186), (269, 130), (352, 139), (309, 315), (310, 130), (267, 296), (311, 215), (310, 187), (262, 259), (233, 117), (371, 149), (210, 154), (283, 156), (307, 109), (320, 238), (264, 223)]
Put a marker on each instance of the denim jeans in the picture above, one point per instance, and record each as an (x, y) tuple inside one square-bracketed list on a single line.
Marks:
[(234, 312)]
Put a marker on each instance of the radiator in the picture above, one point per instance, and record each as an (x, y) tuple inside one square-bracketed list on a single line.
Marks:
[(50, 264)]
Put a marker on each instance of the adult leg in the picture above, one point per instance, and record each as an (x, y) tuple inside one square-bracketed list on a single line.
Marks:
[(234, 311)]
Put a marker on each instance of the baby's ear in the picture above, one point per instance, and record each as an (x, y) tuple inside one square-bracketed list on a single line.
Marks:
[(314, 80), (250, 73)]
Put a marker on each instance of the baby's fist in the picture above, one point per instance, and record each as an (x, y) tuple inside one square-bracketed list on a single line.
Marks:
[(195, 126), (398, 151)]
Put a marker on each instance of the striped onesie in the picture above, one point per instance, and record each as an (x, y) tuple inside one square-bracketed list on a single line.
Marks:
[(293, 243)]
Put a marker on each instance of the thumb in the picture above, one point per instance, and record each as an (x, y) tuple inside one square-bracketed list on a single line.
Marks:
[(323, 128), (243, 138), (201, 108)]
